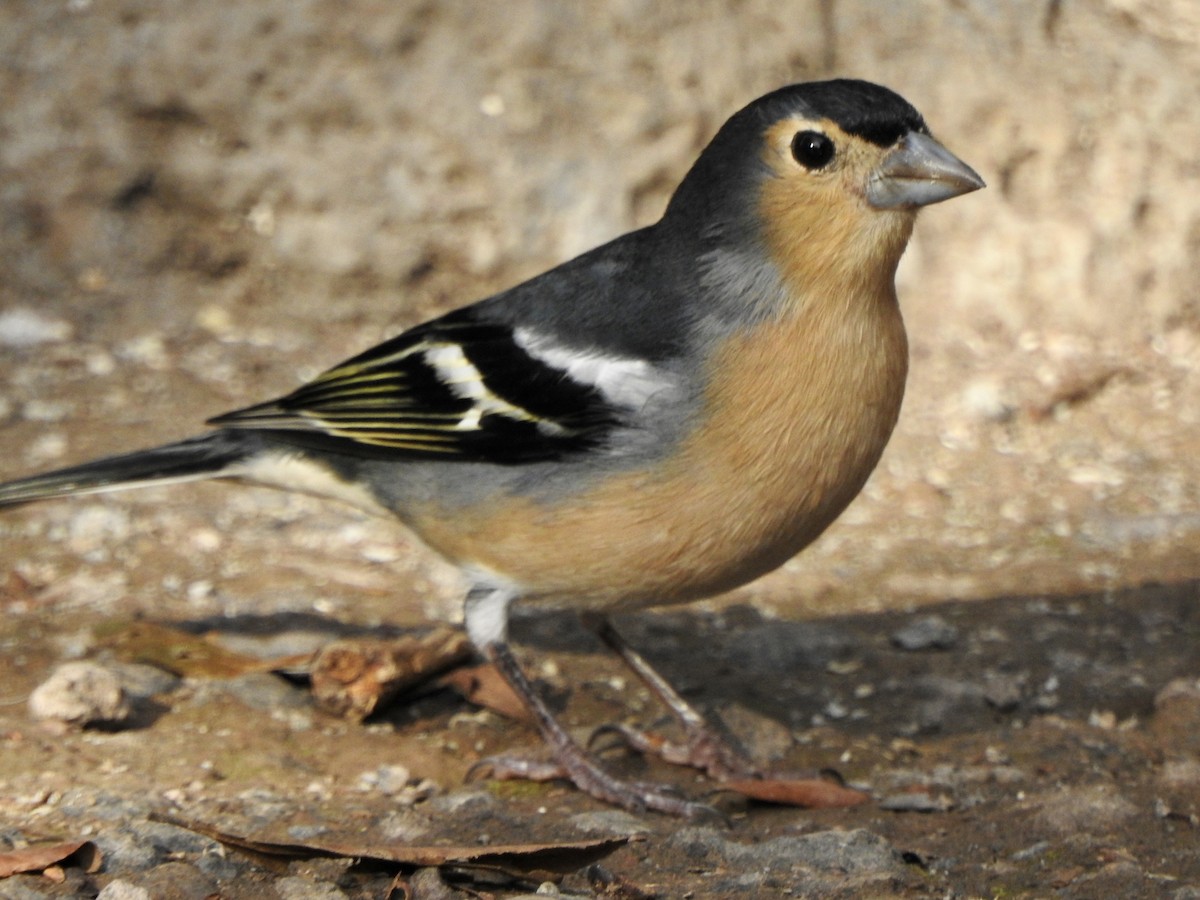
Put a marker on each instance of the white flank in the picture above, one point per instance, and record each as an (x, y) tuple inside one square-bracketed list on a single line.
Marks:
[(294, 473)]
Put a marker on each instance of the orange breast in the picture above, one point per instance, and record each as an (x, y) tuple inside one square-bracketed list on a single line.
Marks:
[(794, 426)]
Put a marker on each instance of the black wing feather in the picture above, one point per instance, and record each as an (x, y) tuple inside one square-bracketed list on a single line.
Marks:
[(408, 398)]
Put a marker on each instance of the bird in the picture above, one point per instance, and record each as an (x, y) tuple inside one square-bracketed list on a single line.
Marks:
[(661, 419)]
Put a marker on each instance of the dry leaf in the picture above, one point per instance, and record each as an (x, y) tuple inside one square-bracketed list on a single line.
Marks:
[(536, 861), (484, 686), (354, 678), (43, 857)]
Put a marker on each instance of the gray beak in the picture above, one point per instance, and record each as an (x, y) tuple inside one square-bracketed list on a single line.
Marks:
[(918, 172)]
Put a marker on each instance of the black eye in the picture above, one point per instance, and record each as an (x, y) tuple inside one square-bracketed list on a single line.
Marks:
[(812, 149)]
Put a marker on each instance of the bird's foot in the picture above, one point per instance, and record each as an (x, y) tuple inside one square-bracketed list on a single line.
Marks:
[(705, 749), (583, 772)]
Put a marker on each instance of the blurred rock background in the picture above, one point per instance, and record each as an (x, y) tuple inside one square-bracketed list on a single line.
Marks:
[(203, 203)]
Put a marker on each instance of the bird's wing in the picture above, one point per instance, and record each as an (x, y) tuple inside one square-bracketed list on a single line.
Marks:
[(461, 387)]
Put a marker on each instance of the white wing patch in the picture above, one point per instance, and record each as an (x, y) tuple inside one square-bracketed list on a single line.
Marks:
[(466, 381), (624, 381)]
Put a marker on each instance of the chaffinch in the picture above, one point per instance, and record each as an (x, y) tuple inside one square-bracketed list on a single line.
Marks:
[(664, 418)]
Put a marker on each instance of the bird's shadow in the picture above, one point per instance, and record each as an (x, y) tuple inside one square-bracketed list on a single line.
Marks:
[(948, 667)]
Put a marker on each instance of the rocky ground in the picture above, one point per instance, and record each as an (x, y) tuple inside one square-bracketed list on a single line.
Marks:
[(201, 204)]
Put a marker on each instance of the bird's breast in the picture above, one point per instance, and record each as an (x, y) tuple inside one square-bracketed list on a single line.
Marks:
[(794, 418)]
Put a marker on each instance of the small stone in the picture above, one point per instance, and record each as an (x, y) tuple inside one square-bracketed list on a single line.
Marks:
[(985, 400), (46, 411), (1096, 809), (1004, 690), (141, 681), (763, 736), (222, 868), (297, 888), (1176, 720), (386, 779), (463, 802), (917, 801), (1033, 851), (22, 327), (80, 693), (609, 822), (171, 840), (941, 700), (177, 881), (428, 883), (126, 851), (846, 853), (926, 633), (97, 526), (18, 887), (264, 805), (123, 890), (267, 692)]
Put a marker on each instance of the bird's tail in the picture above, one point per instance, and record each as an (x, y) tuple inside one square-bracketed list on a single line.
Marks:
[(207, 456)]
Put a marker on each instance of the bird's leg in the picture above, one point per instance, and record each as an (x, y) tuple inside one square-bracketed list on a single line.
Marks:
[(486, 617), (572, 761), (705, 748)]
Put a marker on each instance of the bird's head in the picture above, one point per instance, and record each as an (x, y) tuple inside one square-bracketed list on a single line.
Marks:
[(823, 179)]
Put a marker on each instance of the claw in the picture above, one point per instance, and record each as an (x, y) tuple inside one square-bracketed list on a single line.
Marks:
[(573, 763), (477, 770), (508, 768), (632, 738), (705, 750)]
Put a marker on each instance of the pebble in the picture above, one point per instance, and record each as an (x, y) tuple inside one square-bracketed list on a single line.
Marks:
[(1033, 851), (294, 887), (176, 881), (80, 693), (466, 802), (942, 700), (22, 327), (429, 884), (926, 633), (267, 692), (1092, 809), (770, 738), (1117, 879), (171, 840), (123, 890), (97, 526), (126, 850), (1004, 690), (221, 867), (387, 779), (917, 801), (140, 681), (46, 411), (614, 822), (263, 807), (844, 859), (19, 887), (986, 400)]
